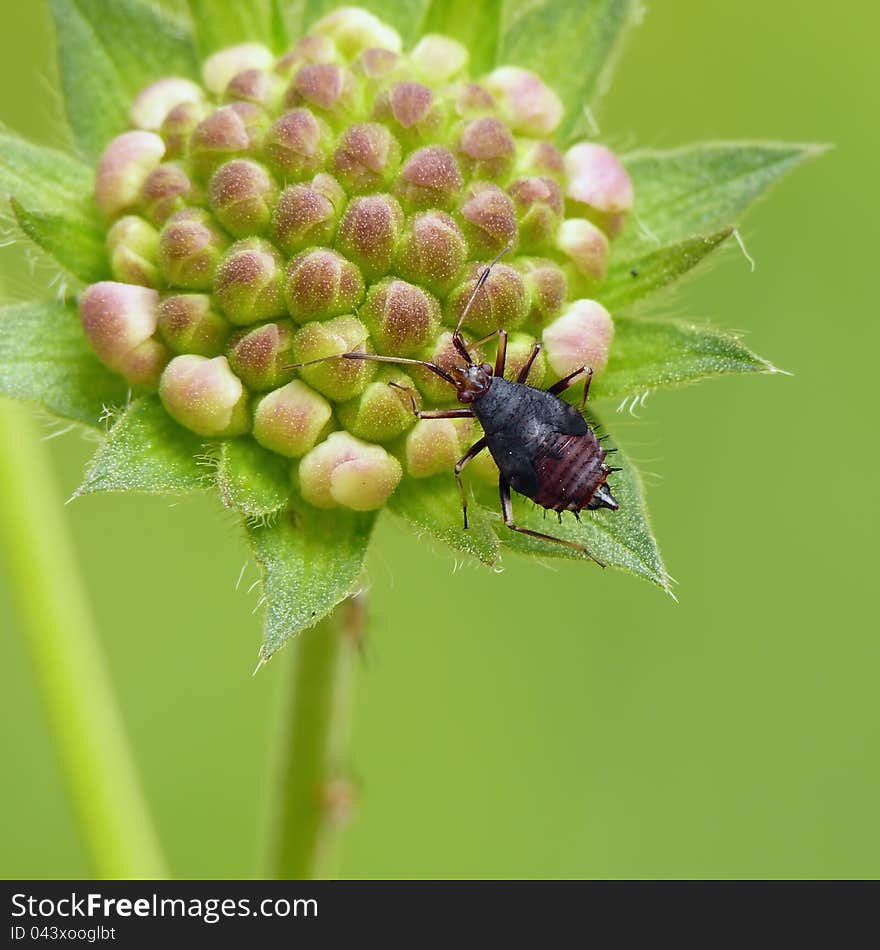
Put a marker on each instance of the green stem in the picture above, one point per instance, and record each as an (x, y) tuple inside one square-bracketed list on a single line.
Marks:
[(313, 795), (68, 663)]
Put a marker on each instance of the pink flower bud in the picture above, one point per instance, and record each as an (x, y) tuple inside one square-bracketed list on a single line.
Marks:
[(501, 303), (437, 58), (546, 286), (435, 445), (259, 357), (249, 282), (219, 68), (322, 283), (204, 395), (339, 380), (354, 29), (472, 100), (167, 190), (290, 420), (229, 132), (586, 246), (123, 169), (307, 50), (530, 107), (153, 104), (410, 110), (402, 318), (345, 471), (366, 158), (133, 245), (381, 412), (325, 87), (541, 158), (488, 219), (442, 353), (369, 232), (377, 64), (430, 178), (539, 208), (580, 337), (256, 86), (190, 247), (242, 195), (432, 252), (179, 124), (297, 145), (486, 148), (595, 178), (189, 324), (519, 349), (307, 215)]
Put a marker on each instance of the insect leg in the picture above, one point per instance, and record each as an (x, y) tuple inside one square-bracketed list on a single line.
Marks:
[(433, 367), (484, 276), (471, 453), (527, 368), (507, 514), (501, 355), (439, 414), (570, 380)]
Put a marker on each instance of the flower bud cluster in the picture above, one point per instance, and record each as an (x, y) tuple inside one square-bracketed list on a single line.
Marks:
[(346, 196)]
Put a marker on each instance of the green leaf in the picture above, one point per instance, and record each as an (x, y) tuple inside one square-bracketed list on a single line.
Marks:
[(252, 480), (700, 189), (107, 53), (146, 451), (46, 359), (220, 23), (311, 560), (77, 245), (571, 46), (631, 279), (654, 353), (434, 505), (621, 539), (477, 25)]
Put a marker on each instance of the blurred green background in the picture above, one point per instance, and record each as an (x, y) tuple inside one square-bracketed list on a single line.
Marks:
[(556, 722)]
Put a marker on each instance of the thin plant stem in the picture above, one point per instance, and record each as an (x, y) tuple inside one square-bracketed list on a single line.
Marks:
[(312, 794), (69, 667)]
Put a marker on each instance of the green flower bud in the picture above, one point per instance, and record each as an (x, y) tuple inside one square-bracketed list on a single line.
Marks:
[(369, 233), (189, 324), (598, 185), (376, 65), (167, 190), (435, 445), (325, 88), (296, 146), (256, 86), (585, 245), (488, 219), (249, 286), (580, 337), (353, 30), (530, 106), (539, 208), (307, 215), (123, 169), (401, 317), (322, 283), (432, 252), (540, 158), (486, 148), (471, 100), (242, 196), (229, 132), (219, 69), (290, 420), (204, 395), (430, 178), (346, 471), (133, 245), (501, 304), (309, 49), (366, 158), (519, 349), (437, 58), (339, 380), (152, 105), (546, 286), (412, 113), (179, 124), (260, 357), (190, 248), (382, 412)]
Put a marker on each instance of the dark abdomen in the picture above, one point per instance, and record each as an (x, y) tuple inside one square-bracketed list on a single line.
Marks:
[(570, 469)]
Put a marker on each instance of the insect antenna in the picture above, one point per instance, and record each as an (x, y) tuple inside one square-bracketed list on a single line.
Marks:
[(457, 339)]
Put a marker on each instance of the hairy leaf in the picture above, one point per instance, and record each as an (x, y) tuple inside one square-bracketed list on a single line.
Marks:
[(477, 25), (657, 353), (146, 451), (311, 561), (434, 505), (572, 46), (220, 23), (46, 359), (107, 52), (252, 480)]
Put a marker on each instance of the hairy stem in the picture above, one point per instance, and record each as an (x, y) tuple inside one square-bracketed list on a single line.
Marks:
[(312, 793), (69, 667)]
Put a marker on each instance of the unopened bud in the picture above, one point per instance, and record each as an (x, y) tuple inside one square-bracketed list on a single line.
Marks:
[(219, 68), (260, 357), (228, 132), (430, 178), (369, 232), (306, 215), (321, 283), (345, 471), (541, 158), (179, 124), (580, 337), (411, 112), (432, 252), (153, 104), (585, 244), (325, 87), (290, 420), (133, 245), (437, 58), (402, 317), (366, 158), (354, 29), (519, 348), (486, 148), (204, 395), (596, 178), (242, 195), (189, 324), (297, 145), (488, 219), (256, 86), (123, 169), (434, 446), (382, 412), (501, 302), (309, 49), (249, 282), (377, 64), (530, 106), (471, 100), (190, 248), (339, 380), (168, 189), (546, 286), (539, 208)]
